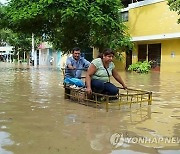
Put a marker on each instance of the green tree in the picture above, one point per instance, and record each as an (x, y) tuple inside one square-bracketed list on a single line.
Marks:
[(175, 6), (20, 41), (69, 23)]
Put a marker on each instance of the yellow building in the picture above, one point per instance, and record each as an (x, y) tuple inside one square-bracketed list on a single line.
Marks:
[(155, 33)]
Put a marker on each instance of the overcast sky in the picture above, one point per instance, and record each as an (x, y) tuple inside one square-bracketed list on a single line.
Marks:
[(3, 1)]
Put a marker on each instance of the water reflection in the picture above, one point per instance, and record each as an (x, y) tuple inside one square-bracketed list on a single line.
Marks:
[(35, 117), (5, 141)]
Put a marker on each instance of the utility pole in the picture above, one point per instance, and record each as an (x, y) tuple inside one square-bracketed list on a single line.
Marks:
[(24, 56), (32, 53)]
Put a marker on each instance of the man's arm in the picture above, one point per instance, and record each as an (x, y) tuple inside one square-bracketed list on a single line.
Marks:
[(69, 64)]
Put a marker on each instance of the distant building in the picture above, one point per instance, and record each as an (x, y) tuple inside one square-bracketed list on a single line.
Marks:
[(6, 53), (46, 55)]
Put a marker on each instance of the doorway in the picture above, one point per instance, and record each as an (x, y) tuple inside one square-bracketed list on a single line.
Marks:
[(142, 52), (128, 58), (152, 53)]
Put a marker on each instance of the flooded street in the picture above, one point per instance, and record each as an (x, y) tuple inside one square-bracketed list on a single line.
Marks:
[(36, 119)]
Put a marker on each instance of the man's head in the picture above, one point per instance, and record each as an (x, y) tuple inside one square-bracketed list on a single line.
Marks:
[(76, 53)]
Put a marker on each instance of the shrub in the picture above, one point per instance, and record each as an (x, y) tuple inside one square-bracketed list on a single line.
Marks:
[(140, 67)]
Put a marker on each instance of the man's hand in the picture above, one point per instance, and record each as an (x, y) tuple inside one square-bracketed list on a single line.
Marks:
[(71, 67)]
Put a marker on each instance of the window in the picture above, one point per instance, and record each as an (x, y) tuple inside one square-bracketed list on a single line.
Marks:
[(124, 16), (150, 52), (127, 2)]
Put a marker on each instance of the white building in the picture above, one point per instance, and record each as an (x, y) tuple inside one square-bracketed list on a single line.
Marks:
[(6, 52)]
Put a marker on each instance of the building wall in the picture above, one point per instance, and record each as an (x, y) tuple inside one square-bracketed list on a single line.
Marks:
[(45, 56), (152, 22), (170, 58), (152, 19), (135, 54), (120, 65)]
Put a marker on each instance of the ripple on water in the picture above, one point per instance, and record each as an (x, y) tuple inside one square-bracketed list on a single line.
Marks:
[(145, 129), (3, 127)]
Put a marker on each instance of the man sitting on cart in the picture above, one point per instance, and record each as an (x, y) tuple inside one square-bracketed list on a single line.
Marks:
[(75, 65)]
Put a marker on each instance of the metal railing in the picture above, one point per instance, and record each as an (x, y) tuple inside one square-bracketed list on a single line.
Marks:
[(128, 96)]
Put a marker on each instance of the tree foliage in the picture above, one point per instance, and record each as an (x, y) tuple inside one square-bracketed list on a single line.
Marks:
[(175, 6), (69, 23), (20, 41)]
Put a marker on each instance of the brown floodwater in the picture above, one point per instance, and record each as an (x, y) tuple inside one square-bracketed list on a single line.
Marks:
[(36, 119)]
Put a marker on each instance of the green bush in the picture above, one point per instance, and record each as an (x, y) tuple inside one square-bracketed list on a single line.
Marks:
[(140, 67)]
